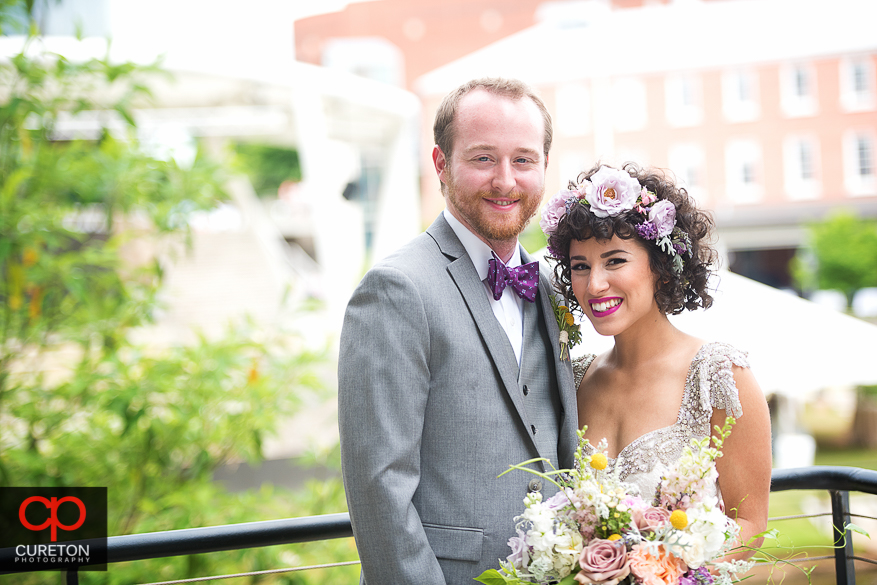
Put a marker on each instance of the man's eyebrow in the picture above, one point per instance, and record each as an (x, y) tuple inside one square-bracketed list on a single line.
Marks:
[(491, 147)]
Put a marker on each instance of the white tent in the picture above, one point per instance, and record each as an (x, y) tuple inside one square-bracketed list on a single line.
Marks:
[(795, 347)]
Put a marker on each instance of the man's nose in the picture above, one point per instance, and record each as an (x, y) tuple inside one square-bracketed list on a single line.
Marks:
[(503, 177)]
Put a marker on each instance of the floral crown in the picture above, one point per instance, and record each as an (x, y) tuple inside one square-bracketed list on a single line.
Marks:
[(611, 192)]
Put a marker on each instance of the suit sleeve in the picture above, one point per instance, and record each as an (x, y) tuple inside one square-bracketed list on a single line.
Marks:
[(383, 386)]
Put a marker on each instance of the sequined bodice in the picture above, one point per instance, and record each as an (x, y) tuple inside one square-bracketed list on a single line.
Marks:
[(709, 385)]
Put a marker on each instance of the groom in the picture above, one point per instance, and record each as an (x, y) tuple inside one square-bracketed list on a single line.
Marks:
[(449, 368)]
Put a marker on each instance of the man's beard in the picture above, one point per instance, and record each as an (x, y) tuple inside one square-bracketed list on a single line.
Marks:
[(490, 227)]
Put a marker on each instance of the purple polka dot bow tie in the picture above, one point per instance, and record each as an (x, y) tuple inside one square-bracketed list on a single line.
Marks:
[(523, 279)]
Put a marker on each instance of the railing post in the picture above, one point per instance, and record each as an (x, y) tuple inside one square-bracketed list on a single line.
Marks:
[(843, 539), (73, 576)]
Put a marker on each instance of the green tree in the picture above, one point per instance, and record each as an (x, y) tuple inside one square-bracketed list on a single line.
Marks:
[(841, 254), (80, 404)]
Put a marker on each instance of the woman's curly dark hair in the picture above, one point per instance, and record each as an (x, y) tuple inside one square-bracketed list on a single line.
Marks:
[(673, 292)]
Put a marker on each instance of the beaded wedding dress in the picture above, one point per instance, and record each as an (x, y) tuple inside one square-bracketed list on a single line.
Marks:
[(708, 385)]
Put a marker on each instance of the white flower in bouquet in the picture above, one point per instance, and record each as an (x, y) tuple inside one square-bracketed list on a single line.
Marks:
[(692, 479), (674, 536)]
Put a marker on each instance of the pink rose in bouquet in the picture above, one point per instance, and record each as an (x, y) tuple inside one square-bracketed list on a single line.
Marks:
[(603, 562), (650, 519)]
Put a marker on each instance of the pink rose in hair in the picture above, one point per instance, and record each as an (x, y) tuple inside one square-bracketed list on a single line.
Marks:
[(554, 210), (663, 216), (611, 192)]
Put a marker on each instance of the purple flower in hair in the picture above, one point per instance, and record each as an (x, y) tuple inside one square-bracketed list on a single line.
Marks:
[(647, 231)]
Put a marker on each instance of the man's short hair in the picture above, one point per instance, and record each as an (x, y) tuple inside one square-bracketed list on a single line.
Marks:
[(443, 129)]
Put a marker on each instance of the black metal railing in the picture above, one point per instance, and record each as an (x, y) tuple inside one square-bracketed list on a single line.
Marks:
[(838, 481)]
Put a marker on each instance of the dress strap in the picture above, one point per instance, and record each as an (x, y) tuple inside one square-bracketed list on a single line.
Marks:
[(712, 369), (580, 366)]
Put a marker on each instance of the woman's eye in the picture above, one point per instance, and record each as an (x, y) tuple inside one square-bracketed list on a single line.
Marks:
[(580, 266), (616, 261)]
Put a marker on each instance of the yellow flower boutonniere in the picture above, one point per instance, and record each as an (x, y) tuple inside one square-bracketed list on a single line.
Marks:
[(569, 330)]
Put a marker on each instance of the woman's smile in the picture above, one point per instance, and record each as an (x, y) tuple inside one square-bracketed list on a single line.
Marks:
[(605, 306)]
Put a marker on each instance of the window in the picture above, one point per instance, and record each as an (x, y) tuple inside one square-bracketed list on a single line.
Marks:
[(687, 162), (864, 157), (629, 104), (798, 90), (800, 165), (740, 96), (572, 102), (743, 171), (860, 176), (857, 84), (684, 103)]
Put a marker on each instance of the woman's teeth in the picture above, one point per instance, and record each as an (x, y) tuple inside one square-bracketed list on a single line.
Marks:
[(605, 305)]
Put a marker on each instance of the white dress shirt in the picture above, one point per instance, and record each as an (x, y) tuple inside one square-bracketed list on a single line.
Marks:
[(509, 309)]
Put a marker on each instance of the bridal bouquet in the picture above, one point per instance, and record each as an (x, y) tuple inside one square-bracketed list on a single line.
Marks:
[(599, 530)]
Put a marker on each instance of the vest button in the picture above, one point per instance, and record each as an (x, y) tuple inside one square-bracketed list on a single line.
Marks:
[(533, 428), (535, 485), (526, 390)]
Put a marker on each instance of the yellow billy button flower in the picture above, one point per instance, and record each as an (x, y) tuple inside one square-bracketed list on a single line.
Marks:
[(570, 320), (614, 537), (679, 519), (599, 461)]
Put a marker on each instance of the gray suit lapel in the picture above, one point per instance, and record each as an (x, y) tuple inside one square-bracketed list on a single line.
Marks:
[(475, 295)]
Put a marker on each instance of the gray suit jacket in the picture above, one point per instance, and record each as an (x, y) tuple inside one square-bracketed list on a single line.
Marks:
[(430, 414)]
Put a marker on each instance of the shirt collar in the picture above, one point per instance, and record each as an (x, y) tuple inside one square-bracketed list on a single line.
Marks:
[(478, 251)]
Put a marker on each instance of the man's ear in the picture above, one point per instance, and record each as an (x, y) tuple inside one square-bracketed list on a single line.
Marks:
[(440, 162), (546, 161)]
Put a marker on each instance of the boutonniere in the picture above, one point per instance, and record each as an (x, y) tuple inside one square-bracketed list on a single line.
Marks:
[(570, 335)]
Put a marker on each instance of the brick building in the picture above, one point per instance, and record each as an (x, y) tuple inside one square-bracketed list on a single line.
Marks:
[(765, 109)]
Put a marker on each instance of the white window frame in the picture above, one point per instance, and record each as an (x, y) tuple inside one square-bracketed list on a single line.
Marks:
[(855, 99), (740, 156), (682, 112), (793, 103), (858, 184), (737, 107), (798, 186)]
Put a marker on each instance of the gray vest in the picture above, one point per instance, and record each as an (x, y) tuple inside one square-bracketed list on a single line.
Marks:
[(537, 381)]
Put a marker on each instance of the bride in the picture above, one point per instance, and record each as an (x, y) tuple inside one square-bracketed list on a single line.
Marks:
[(631, 248)]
